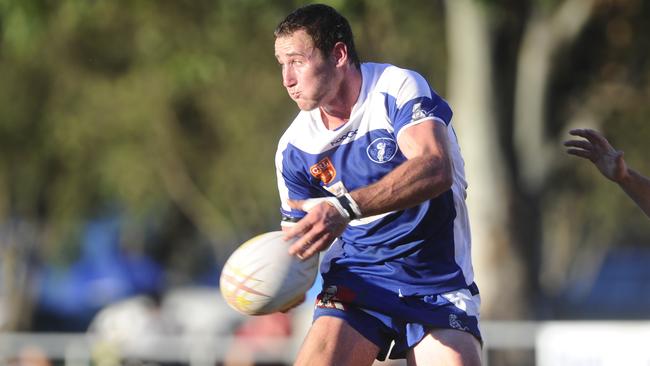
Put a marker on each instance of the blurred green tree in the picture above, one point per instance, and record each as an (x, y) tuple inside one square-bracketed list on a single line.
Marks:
[(521, 75), (169, 112)]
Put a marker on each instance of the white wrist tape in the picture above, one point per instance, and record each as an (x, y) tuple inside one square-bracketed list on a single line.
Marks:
[(310, 203), (354, 206)]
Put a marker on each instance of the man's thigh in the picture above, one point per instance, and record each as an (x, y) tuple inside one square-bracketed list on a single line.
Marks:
[(332, 341), (449, 347)]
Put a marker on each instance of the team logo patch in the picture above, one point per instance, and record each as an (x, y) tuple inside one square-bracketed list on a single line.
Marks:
[(455, 323), (382, 150), (335, 297), (423, 109), (323, 170)]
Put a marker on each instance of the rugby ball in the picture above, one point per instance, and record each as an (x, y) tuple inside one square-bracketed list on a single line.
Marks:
[(260, 277)]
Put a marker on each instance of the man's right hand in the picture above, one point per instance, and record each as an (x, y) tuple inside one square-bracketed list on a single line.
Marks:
[(318, 229)]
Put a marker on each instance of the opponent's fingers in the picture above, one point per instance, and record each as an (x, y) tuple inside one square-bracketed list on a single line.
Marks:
[(581, 153), (593, 136), (579, 143), (582, 132), (578, 132)]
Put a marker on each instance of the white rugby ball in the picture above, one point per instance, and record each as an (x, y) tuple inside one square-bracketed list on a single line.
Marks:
[(260, 277)]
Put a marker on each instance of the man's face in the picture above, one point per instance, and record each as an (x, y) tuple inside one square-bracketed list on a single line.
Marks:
[(307, 76)]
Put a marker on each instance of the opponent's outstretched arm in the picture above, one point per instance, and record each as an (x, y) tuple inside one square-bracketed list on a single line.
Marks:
[(426, 174), (611, 164)]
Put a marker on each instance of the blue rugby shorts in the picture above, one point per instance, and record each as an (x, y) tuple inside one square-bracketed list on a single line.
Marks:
[(384, 318)]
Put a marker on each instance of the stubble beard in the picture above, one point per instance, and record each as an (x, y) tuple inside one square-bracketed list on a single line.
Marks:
[(307, 105), (324, 88)]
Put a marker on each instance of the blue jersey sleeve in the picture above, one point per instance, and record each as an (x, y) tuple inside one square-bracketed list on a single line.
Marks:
[(413, 101), (293, 182)]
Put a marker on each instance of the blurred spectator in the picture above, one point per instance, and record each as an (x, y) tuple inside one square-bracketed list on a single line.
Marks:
[(133, 326), (31, 356), (199, 311), (139, 326), (278, 335), (611, 164), (68, 298), (260, 336)]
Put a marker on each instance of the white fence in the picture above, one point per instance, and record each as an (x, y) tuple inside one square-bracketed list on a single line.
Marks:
[(554, 343)]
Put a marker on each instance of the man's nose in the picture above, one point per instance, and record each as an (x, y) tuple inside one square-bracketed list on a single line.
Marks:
[(288, 79)]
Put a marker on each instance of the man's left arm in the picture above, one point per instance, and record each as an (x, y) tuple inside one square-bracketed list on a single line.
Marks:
[(424, 175)]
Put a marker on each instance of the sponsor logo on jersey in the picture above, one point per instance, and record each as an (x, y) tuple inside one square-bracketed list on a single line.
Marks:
[(345, 136), (382, 150), (335, 297), (323, 170)]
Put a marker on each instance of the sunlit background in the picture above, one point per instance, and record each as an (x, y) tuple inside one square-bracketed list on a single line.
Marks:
[(137, 143)]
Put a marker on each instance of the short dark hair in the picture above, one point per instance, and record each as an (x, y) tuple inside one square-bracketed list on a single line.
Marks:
[(324, 25)]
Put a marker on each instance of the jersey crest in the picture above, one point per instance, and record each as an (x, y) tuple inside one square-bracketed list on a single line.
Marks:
[(382, 150), (323, 170)]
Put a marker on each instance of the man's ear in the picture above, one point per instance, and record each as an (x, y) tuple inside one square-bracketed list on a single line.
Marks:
[(340, 54)]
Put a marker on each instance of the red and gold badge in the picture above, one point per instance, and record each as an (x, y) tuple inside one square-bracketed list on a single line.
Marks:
[(323, 170)]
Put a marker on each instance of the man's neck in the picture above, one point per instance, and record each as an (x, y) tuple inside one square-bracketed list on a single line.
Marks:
[(337, 113)]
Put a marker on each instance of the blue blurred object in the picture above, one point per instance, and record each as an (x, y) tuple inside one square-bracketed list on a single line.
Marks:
[(620, 289), (67, 299)]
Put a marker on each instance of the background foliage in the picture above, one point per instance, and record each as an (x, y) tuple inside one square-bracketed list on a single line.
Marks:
[(167, 113)]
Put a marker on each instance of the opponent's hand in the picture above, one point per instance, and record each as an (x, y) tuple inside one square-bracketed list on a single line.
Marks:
[(596, 148), (318, 229)]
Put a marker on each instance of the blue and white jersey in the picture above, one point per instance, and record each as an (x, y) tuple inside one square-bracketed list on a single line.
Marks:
[(421, 250)]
